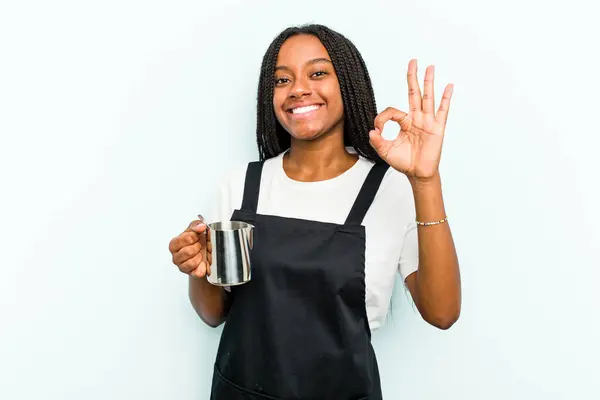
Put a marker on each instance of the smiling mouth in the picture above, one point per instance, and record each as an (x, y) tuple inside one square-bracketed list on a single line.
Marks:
[(304, 110)]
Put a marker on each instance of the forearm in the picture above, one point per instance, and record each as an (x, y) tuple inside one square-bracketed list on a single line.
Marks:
[(209, 301), (437, 283)]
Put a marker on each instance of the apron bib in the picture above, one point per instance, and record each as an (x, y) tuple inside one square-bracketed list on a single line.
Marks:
[(299, 328)]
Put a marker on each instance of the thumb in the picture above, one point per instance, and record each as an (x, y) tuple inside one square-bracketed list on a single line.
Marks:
[(378, 142), (197, 226)]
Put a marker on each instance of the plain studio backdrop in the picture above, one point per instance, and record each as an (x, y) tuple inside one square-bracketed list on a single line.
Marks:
[(119, 119)]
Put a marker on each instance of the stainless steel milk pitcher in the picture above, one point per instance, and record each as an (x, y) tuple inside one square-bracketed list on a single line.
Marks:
[(231, 246)]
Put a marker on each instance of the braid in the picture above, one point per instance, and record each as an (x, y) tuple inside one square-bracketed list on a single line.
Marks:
[(358, 97)]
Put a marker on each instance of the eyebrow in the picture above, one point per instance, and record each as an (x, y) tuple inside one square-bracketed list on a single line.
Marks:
[(313, 61)]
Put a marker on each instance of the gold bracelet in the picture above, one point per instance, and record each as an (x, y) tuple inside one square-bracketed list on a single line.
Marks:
[(432, 222)]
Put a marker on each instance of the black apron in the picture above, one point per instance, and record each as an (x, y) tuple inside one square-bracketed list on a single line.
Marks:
[(299, 328)]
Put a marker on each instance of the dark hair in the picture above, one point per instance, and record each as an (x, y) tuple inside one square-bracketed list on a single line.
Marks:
[(355, 84)]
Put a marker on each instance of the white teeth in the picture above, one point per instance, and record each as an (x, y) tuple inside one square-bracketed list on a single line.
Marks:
[(302, 110)]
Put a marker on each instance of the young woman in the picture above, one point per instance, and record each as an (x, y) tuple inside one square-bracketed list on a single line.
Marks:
[(338, 211)]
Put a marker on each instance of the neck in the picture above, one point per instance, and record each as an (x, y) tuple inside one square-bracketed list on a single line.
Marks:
[(316, 160)]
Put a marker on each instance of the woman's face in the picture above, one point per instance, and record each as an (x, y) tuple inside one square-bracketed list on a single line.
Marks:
[(307, 98)]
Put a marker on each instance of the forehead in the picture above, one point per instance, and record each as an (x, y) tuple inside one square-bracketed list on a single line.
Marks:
[(300, 49)]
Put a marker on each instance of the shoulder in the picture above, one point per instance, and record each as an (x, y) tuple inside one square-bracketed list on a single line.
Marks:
[(394, 185), (234, 179), (394, 197)]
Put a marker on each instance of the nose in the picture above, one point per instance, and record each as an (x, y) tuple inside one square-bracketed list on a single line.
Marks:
[(300, 88)]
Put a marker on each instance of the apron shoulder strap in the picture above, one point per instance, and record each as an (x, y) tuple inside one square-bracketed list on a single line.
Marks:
[(367, 194), (252, 186)]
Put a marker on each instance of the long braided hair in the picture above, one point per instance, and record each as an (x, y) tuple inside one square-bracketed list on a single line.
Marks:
[(355, 84)]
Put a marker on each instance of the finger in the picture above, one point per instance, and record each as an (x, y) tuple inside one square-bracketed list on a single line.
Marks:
[(200, 271), (442, 113), (414, 91), (428, 99), (183, 240), (392, 114), (191, 264), (208, 253), (208, 263), (186, 253), (389, 114)]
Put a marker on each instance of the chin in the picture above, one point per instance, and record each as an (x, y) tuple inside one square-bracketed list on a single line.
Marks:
[(307, 135), (305, 132)]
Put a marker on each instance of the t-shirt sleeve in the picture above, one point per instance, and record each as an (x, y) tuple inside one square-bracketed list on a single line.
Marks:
[(409, 257), (219, 202), (228, 195), (223, 206)]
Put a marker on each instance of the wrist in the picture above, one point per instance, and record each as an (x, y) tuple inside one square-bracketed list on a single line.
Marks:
[(432, 183)]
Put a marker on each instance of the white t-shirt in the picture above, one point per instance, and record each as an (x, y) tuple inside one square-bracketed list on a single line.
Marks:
[(390, 229)]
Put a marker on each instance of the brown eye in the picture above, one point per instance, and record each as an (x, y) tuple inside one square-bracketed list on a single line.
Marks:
[(320, 73), (281, 81)]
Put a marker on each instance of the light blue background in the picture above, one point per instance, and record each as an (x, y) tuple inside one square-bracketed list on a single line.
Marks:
[(119, 118)]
